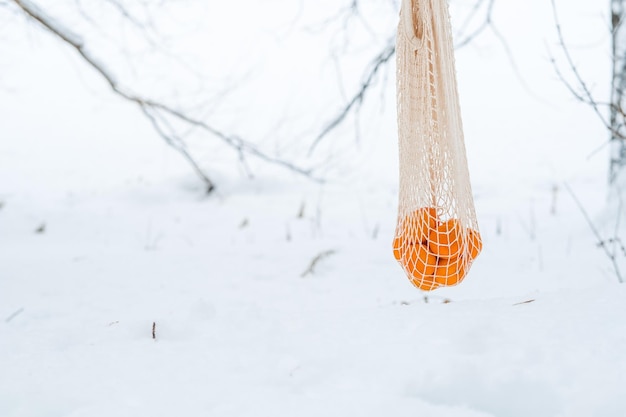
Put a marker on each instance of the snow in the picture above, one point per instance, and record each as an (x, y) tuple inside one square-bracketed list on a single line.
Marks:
[(127, 239)]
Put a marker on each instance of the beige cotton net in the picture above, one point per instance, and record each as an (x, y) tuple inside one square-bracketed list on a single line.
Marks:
[(437, 236)]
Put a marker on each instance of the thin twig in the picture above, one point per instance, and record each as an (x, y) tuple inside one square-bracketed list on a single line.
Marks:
[(601, 242), (315, 261), (469, 17), (480, 29), (524, 302), (14, 315), (357, 99)]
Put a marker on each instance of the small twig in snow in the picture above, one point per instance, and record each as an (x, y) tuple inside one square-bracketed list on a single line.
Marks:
[(426, 299), (375, 231), (41, 229), (301, 211), (555, 192), (315, 261), (14, 315), (524, 302)]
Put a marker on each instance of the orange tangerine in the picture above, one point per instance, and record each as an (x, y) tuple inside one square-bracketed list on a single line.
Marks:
[(445, 240), (450, 271), (475, 243), (425, 284), (398, 248), (419, 261), (426, 222), (417, 226)]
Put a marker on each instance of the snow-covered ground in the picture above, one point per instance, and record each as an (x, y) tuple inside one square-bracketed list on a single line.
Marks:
[(104, 231)]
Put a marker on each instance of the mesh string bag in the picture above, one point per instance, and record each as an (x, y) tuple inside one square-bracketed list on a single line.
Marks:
[(437, 236)]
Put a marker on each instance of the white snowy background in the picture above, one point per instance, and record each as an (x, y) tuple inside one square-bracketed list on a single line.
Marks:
[(127, 238)]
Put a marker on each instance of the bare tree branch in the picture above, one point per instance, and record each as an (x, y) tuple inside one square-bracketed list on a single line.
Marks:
[(156, 112), (586, 96), (381, 59), (126, 13), (470, 17), (345, 14), (486, 23)]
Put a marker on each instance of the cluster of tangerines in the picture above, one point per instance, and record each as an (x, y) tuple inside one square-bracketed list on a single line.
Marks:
[(435, 253)]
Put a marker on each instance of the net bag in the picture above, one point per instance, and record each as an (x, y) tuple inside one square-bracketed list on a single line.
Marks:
[(437, 237)]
